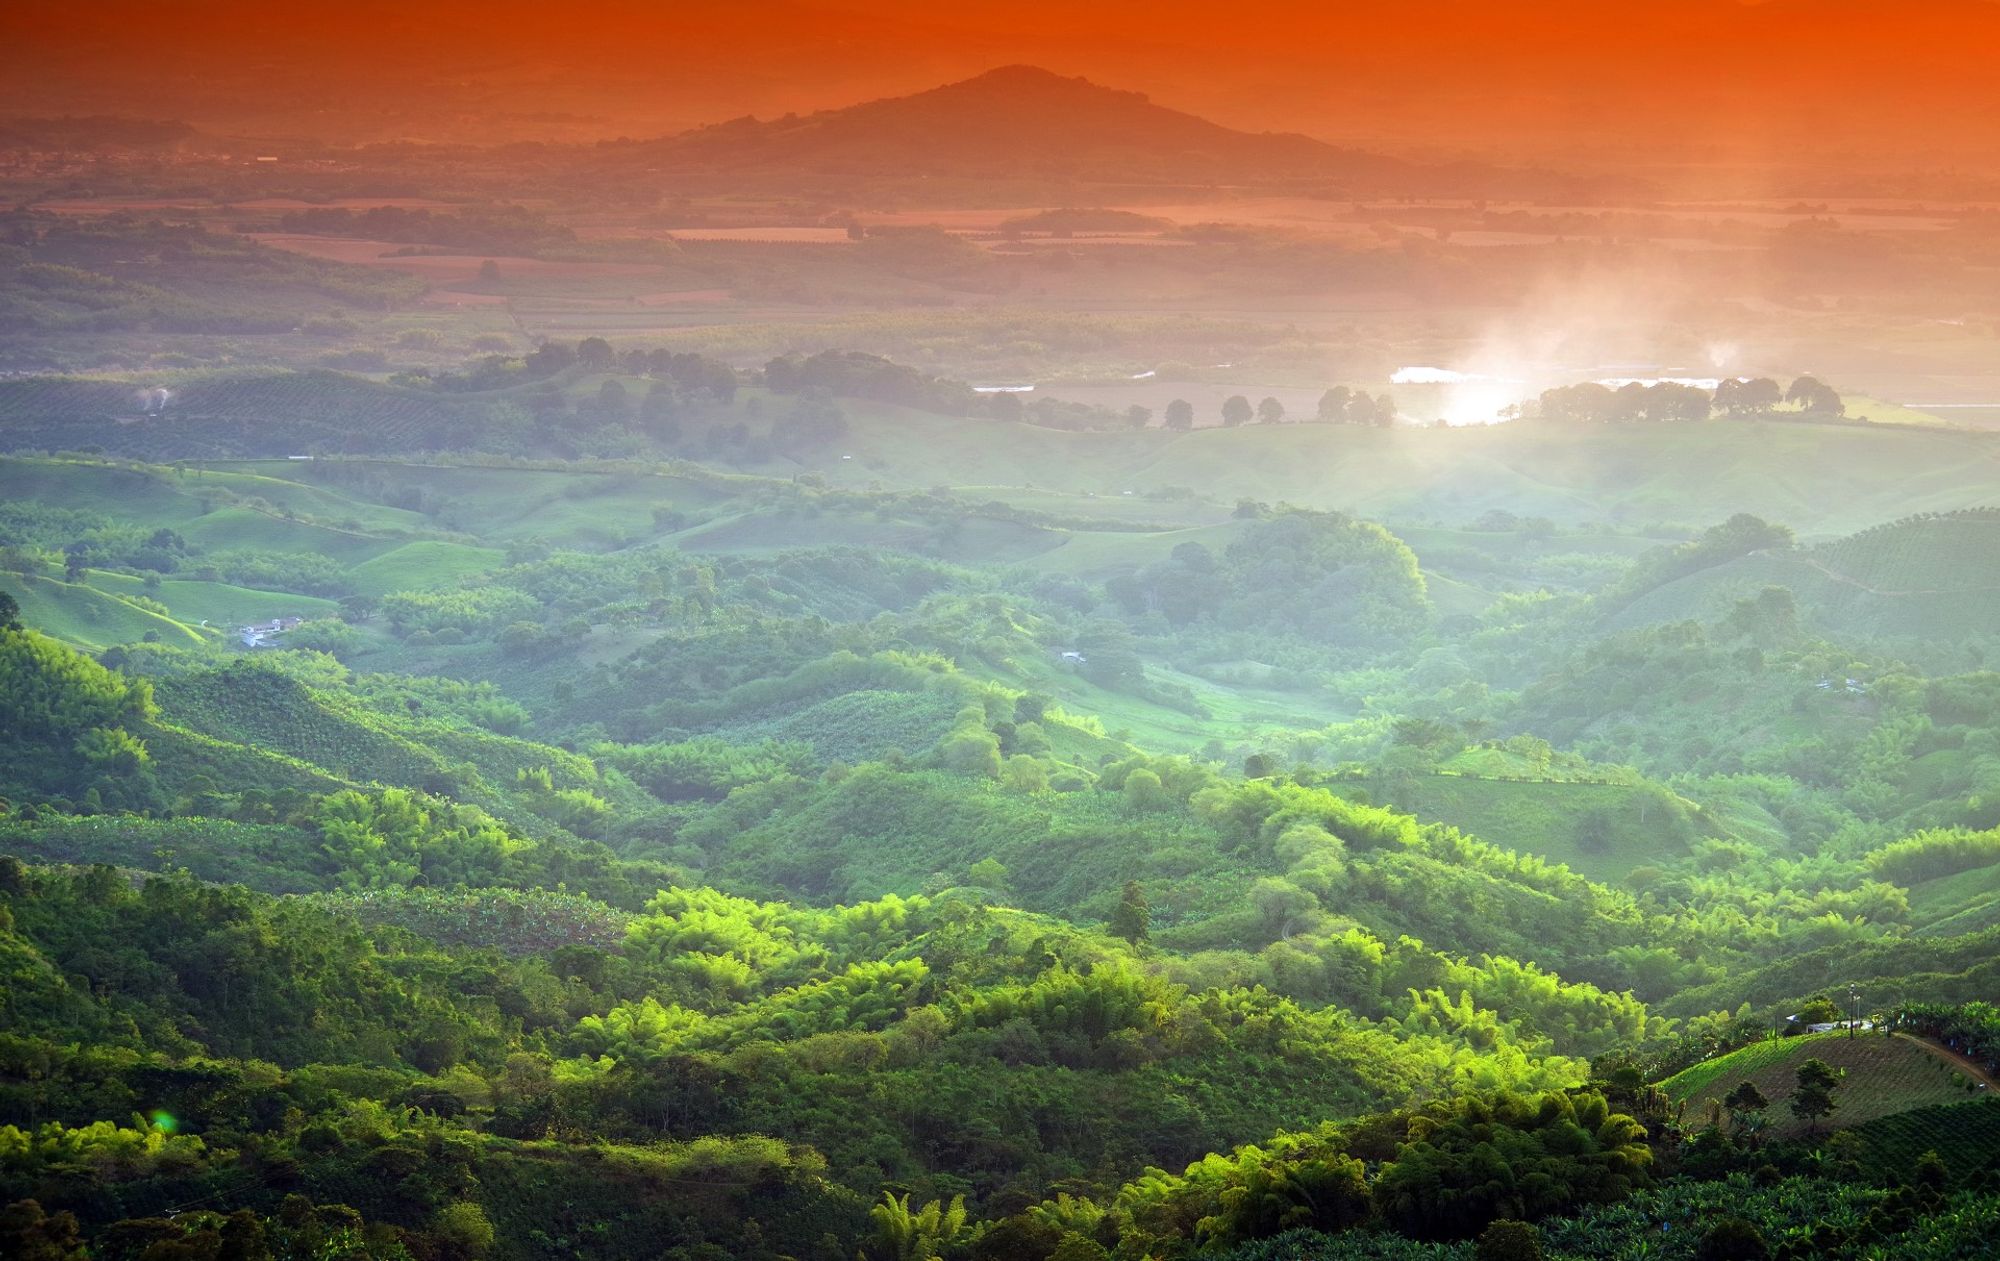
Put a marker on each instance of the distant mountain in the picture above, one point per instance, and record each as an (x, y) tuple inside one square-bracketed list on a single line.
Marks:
[(1021, 122)]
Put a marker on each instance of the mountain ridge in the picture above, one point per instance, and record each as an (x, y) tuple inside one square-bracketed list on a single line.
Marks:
[(1022, 120)]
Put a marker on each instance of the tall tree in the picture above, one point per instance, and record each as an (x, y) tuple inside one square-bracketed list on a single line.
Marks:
[(1817, 1080), (1133, 920), (1236, 410), (1813, 395), (1270, 412), (1333, 404), (1746, 1106), (1747, 397), (614, 402), (1180, 415)]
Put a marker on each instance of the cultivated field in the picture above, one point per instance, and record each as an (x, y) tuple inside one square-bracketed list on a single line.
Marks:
[(1883, 1076)]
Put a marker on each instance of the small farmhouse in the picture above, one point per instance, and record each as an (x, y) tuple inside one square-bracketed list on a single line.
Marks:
[(260, 634)]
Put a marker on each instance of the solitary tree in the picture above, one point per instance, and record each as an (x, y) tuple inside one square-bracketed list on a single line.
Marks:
[(614, 401), (1133, 920), (1270, 412), (1180, 415), (989, 873), (1236, 410), (1817, 1081)]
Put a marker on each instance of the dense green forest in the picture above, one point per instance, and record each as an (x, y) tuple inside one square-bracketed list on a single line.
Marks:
[(581, 812)]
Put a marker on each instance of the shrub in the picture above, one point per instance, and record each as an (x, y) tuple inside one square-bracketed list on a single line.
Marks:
[(1509, 1240), (1732, 1239)]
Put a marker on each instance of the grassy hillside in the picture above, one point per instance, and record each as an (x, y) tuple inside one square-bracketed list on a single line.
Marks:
[(83, 615), (212, 511), (178, 497), (1884, 1076), (1600, 830), (1231, 712), (424, 563)]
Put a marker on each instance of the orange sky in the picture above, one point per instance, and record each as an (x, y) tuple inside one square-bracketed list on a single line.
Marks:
[(1911, 85)]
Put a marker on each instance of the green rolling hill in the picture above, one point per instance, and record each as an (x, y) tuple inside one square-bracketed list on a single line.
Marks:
[(423, 563), (297, 732), (1936, 576), (1602, 831)]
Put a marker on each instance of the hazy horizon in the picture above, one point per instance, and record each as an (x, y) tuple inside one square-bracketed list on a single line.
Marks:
[(1716, 84)]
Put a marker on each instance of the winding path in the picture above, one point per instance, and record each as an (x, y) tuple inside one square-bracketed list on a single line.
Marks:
[(1849, 580), (1954, 1059)]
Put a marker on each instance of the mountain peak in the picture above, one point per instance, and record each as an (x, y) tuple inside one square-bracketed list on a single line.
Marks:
[(1021, 74), (1023, 80)]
